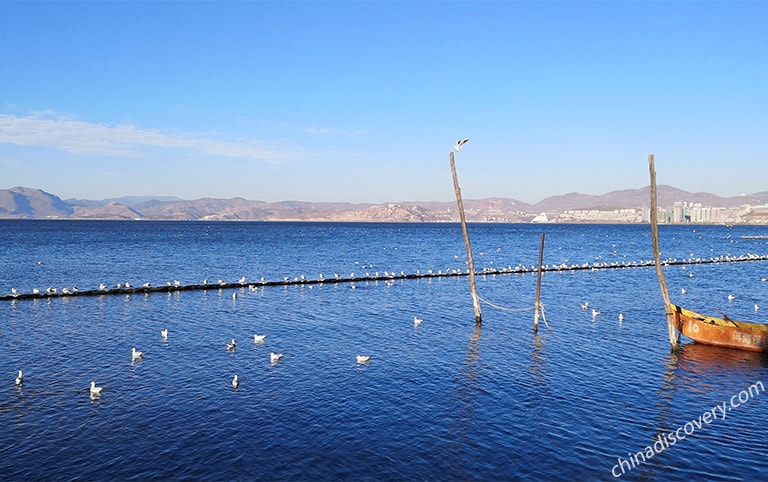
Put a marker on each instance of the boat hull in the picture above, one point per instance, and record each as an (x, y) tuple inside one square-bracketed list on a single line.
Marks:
[(724, 332)]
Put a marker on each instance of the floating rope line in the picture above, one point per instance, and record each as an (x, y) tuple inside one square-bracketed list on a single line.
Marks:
[(172, 287)]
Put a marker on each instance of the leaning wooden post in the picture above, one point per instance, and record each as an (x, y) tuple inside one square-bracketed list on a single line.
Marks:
[(537, 306), (674, 335), (472, 287)]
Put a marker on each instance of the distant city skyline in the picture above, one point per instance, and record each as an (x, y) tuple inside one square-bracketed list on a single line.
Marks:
[(362, 101)]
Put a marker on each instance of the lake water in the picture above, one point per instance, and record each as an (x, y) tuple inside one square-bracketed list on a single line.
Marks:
[(446, 400)]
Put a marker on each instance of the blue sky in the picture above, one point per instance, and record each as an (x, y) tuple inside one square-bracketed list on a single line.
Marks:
[(361, 101)]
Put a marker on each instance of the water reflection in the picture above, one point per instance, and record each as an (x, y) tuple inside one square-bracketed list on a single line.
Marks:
[(466, 385)]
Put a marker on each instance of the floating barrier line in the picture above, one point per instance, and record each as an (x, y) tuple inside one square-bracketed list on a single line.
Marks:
[(390, 277)]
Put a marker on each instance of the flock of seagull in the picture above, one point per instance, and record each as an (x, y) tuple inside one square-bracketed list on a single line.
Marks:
[(95, 391), (388, 276)]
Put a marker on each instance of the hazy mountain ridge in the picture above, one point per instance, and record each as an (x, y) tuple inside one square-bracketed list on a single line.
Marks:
[(31, 203)]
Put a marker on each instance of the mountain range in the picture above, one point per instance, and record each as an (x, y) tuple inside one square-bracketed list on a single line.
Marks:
[(32, 203)]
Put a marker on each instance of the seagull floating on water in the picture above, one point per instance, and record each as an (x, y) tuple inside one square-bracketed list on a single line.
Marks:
[(460, 144), (595, 313), (95, 391), (363, 358), (757, 307), (621, 316), (19, 379), (235, 382), (731, 297), (259, 338), (683, 291), (135, 355), (275, 357), (585, 306), (417, 321), (164, 333), (231, 345)]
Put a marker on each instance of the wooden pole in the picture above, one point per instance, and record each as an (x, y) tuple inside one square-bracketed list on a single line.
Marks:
[(674, 334), (472, 287), (538, 287)]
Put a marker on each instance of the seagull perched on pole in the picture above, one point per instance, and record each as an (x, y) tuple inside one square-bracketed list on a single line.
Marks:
[(460, 144)]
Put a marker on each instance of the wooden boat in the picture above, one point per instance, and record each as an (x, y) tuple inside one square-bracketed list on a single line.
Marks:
[(707, 330), (725, 332)]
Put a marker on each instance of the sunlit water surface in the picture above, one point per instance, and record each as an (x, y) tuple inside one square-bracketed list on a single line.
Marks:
[(446, 400)]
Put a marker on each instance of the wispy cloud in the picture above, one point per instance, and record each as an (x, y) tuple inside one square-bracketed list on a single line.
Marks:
[(332, 131), (79, 137)]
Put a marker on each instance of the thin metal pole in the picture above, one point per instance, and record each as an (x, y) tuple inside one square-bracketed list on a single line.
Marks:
[(471, 262)]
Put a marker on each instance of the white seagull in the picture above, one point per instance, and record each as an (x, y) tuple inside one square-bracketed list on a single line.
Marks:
[(731, 297), (417, 321), (757, 308), (19, 379), (621, 316), (595, 313), (460, 144), (231, 345), (95, 391), (259, 338), (164, 333), (275, 357), (235, 382), (585, 305), (363, 358), (135, 355)]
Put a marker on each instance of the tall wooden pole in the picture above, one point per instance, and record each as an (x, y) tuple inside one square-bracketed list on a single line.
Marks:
[(537, 306), (674, 334), (471, 262)]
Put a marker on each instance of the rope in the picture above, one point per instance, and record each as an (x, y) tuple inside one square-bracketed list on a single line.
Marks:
[(501, 307)]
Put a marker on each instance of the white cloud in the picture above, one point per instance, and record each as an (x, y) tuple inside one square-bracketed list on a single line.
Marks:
[(79, 137), (332, 131)]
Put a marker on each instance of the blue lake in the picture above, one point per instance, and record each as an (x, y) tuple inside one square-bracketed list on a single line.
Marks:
[(446, 400)]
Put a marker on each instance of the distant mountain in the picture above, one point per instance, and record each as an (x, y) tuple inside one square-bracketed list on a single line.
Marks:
[(21, 202)]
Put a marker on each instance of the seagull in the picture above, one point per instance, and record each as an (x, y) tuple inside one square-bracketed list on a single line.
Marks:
[(259, 338), (621, 316), (231, 345), (135, 355), (19, 379), (460, 144), (731, 297), (757, 308), (146, 285), (95, 391), (235, 382), (363, 358), (164, 333), (585, 306), (417, 321), (683, 290), (35, 291), (14, 292), (275, 357), (242, 280), (595, 313)]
